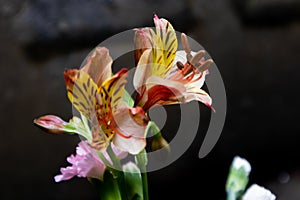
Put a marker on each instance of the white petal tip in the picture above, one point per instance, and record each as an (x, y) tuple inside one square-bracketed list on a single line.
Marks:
[(239, 162)]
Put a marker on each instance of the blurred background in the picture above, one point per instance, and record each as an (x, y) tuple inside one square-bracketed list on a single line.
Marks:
[(255, 44)]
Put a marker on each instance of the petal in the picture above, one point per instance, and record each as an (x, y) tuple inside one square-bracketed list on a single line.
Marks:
[(132, 145), (142, 42), (98, 65), (66, 174), (155, 80), (90, 167), (166, 45), (195, 93), (258, 193), (112, 90), (142, 72), (119, 153), (201, 79), (131, 124), (81, 92), (162, 92)]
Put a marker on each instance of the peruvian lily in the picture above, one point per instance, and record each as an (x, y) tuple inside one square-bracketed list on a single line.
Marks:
[(86, 163), (165, 75), (98, 96)]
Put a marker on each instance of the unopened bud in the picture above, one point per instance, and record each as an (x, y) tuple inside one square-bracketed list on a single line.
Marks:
[(51, 123)]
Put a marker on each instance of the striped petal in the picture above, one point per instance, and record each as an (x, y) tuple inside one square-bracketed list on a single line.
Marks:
[(81, 92)]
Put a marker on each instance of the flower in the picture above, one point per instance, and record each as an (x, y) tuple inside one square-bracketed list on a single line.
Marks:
[(258, 193), (97, 95), (86, 163), (161, 77)]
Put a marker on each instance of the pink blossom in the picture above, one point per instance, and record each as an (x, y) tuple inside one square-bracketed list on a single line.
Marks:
[(86, 163)]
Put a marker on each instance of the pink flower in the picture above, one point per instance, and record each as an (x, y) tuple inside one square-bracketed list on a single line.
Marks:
[(86, 163)]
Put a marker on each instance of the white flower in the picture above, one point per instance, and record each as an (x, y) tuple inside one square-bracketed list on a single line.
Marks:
[(256, 192), (239, 162)]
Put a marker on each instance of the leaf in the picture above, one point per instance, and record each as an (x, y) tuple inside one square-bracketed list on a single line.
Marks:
[(133, 181)]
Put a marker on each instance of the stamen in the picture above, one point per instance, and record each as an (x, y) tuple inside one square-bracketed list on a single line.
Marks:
[(185, 43), (205, 65), (197, 57), (186, 47), (179, 65)]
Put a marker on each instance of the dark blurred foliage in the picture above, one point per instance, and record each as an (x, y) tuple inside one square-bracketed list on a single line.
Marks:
[(255, 45)]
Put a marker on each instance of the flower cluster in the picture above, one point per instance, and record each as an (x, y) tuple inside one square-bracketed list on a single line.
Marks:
[(110, 121)]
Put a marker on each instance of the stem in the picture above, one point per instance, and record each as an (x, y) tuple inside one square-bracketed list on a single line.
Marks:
[(141, 160), (145, 186), (115, 160), (231, 196), (120, 175)]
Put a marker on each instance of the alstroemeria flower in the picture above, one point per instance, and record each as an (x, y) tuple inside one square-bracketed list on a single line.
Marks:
[(164, 76), (86, 163), (97, 95)]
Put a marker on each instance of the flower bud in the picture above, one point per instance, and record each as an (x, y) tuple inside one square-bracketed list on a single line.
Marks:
[(50, 123), (238, 177)]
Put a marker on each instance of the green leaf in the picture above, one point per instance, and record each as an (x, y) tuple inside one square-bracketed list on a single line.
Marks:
[(133, 181), (128, 99), (108, 189)]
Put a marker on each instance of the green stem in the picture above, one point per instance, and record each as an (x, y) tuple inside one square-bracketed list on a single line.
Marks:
[(141, 160), (118, 170), (231, 196), (145, 186), (115, 160)]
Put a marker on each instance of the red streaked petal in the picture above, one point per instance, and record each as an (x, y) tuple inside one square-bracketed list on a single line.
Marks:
[(160, 95)]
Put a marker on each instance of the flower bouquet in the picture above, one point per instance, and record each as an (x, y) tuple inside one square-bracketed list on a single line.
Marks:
[(114, 126)]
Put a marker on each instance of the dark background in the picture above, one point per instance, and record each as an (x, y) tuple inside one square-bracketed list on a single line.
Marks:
[(255, 45)]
